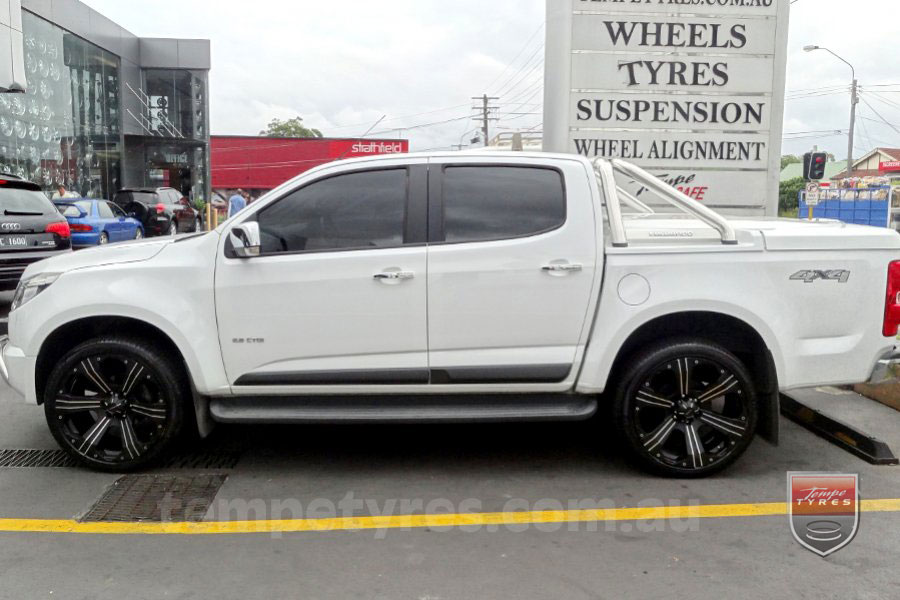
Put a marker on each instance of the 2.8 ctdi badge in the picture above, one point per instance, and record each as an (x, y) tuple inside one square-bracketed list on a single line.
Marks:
[(824, 510)]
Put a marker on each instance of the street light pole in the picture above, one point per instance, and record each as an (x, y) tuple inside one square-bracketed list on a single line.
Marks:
[(854, 100)]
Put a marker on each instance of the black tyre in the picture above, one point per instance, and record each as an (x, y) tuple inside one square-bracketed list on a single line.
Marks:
[(685, 408), (173, 227), (138, 233), (104, 238), (116, 404)]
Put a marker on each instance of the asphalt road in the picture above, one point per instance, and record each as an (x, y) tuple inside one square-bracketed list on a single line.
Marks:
[(414, 469)]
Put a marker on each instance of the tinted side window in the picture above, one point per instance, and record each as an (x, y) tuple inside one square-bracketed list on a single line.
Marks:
[(105, 212), (117, 212), (357, 210), (492, 203)]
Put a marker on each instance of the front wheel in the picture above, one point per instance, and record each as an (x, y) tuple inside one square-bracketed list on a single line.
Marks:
[(115, 404), (138, 233), (686, 408), (173, 227)]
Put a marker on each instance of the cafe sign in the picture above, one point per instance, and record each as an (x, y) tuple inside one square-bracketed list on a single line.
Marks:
[(692, 90)]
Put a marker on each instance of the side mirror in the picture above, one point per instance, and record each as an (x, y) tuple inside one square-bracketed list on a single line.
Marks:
[(245, 239)]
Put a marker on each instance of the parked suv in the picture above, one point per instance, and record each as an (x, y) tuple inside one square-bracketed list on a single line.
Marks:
[(31, 229), (162, 211)]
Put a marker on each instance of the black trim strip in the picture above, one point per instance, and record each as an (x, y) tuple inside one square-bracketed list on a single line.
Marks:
[(504, 374), (449, 375), (362, 377)]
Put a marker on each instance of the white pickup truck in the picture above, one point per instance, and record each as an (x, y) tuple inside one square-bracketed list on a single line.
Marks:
[(457, 287)]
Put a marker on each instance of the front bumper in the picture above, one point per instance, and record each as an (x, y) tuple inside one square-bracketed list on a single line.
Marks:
[(17, 370), (887, 369)]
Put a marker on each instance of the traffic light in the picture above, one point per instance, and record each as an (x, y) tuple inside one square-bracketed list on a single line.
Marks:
[(814, 166)]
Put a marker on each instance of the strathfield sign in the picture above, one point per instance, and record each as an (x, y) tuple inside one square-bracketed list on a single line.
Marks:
[(692, 90)]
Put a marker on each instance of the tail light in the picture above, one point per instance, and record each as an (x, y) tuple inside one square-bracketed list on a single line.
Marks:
[(60, 229), (892, 302), (76, 228), (160, 208)]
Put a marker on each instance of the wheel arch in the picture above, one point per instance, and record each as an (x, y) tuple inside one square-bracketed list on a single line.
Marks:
[(70, 334), (732, 333)]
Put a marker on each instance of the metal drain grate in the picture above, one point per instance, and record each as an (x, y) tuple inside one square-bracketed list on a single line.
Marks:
[(156, 498), (216, 460), (35, 458)]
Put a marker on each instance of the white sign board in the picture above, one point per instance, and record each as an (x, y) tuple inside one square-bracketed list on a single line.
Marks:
[(812, 194), (692, 90)]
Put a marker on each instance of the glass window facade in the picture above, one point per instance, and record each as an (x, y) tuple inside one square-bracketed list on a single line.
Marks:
[(67, 129), (71, 128)]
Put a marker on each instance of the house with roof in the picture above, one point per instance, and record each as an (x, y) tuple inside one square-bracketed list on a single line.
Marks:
[(880, 162)]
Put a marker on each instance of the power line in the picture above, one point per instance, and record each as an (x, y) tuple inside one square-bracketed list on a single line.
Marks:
[(520, 53), (878, 114)]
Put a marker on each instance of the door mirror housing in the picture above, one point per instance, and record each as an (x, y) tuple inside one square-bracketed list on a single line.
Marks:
[(245, 239)]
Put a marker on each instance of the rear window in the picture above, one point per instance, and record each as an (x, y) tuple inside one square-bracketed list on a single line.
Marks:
[(493, 203), (126, 198), (18, 201), (71, 209)]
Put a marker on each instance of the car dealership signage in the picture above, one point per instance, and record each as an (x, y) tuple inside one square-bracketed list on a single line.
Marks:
[(692, 90)]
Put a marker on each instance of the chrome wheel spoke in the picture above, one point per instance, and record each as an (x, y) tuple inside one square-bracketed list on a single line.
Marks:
[(720, 388), (94, 434), (683, 367), (133, 375), (89, 369), (645, 397), (695, 448), (658, 436), (157, 413), (130, 444), (72, 404), (734, 428)]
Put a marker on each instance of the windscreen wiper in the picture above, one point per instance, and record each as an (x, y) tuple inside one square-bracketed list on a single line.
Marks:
[(21, 213)]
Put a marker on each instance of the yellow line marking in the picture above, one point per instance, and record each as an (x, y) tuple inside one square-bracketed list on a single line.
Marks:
[(708, 511)]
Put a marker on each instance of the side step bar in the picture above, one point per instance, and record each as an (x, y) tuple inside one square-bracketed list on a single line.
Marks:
[(403, 409)]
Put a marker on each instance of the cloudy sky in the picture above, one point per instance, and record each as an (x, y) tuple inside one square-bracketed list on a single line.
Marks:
[(342, 65)]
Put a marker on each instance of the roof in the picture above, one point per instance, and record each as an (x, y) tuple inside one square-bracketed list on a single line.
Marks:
[(887, 154), (795, 170)]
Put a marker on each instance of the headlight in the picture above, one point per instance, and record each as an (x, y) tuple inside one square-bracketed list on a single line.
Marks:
[(31, 287)]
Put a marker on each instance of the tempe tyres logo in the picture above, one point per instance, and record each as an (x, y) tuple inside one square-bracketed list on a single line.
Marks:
[(824, 510)]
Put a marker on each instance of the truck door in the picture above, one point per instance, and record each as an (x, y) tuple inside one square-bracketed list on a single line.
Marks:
[(337, 297), (512, 257)]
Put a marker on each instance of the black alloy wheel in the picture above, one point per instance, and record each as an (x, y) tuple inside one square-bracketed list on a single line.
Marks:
[(686, 408), (115, 404)]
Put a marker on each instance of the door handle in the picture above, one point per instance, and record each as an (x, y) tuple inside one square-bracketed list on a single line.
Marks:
[(394, 276), (563, 268)]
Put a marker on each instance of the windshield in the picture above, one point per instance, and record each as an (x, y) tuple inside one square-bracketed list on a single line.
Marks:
[(17, 201)]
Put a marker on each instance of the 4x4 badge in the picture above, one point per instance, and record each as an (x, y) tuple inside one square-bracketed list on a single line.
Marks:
[(808, 276)]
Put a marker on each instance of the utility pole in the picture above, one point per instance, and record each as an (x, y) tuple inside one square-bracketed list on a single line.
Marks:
[(854, 100), (485, 117)]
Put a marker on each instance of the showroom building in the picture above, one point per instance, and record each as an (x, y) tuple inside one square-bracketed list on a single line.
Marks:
[(103, 109)]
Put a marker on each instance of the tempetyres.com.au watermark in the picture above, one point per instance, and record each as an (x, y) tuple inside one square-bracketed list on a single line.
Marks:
[(547, 515)]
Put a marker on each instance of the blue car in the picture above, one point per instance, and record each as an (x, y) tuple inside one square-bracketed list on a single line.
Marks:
[(97, 222)]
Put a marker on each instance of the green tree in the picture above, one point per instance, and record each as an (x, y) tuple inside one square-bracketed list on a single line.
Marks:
[(789, 159), (788, 194), (291, 128)]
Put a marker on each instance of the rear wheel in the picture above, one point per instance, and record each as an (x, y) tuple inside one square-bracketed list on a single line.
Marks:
[(104, 238), (115, 404), (686, 408)]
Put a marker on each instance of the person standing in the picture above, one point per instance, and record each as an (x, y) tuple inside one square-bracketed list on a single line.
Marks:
[(237, 203), (62, 193)]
